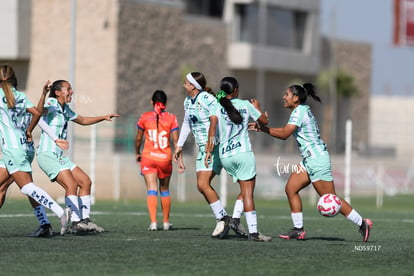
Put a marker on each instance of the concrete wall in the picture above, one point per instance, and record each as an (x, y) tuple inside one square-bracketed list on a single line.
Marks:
[(391, 121), (157, 46), (15, 17), (95, 63)]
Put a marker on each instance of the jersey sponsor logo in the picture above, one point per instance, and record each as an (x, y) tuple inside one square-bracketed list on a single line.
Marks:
[(23, 140), (231, 146), (159, 155)]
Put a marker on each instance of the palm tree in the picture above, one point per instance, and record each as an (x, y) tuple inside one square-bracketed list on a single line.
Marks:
[(339, 108)]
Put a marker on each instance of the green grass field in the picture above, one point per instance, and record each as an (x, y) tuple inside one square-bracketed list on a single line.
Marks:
[(333, 245)]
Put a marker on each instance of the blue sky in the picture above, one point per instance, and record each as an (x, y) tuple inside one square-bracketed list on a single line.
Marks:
[(372, 21)]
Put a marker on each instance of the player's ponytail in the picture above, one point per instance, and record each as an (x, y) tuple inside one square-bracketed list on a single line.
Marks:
[(303, 91), (311, 91), (159, 101), (8, 80), (227, 86)]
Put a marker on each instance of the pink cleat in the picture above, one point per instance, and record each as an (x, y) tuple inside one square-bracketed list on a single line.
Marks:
[(295, 233)]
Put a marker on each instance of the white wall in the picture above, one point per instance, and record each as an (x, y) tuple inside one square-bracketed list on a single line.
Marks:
[(15, 16), (392, 123)]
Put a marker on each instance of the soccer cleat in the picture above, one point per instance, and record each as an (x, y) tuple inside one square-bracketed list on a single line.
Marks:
[(167, 226), (295, 233), (238, 228), (64, 220), (78, 227), (222, 228), (92, 226), (259, 237), (365, 228), (44, 231), (152, 226)]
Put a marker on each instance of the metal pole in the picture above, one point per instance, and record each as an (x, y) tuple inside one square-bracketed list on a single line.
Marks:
[(92, 162), (348, 147), (332, 84), (72, 72), (261, 73), (380, 186), (117, 176)]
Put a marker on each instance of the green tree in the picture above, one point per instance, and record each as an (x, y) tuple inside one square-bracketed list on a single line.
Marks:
[(345, 83)]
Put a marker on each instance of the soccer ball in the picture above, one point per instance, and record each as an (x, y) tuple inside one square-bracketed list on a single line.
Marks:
[(329, 205)]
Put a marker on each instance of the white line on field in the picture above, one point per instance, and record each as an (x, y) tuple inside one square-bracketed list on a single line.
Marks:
[(100, 213)]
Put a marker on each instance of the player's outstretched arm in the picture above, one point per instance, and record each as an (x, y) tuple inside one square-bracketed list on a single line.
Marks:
[(85, 121)]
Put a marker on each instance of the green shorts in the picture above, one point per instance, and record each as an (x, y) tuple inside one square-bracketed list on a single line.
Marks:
[(318, 168), (16, 160), (30, 157), (52, 164), (241, 166), (215, 163)]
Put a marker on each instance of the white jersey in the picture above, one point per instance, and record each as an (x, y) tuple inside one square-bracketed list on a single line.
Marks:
[(197, 114), (14, 122), (57, 118), (234, 138), (307, 133)]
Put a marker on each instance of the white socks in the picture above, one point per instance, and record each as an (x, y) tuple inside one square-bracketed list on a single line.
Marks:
[(73, 203), (355, 217), (238, 208), (297, 219), (218, 210), (85, 206), (43, 198), (251, 220), (40, 213)]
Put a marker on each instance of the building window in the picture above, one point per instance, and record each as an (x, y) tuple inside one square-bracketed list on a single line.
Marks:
[(283, 27), (211, 8), (247, 19)]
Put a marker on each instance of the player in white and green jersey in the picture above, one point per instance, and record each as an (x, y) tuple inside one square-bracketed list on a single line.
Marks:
[(234, 138), (307, 133), (199, 108), (13, 108), (57, 118), (236, 152), (45, 229), (316, 163), (58, 167)]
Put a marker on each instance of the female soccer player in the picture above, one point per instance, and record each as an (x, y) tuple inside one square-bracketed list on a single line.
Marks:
[(199, 108), (45, 229), (316, 162), (13, 109), (158, 126), (235, 150), (58, 167)]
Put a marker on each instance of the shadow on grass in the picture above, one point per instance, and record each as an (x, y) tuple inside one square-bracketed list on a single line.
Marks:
[(325, 239), (180, 228)]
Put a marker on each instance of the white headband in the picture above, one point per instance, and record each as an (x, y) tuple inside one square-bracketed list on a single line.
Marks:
[(193, 81)]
